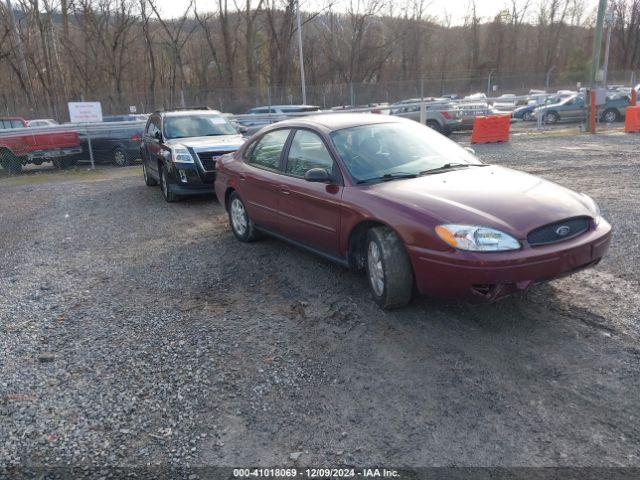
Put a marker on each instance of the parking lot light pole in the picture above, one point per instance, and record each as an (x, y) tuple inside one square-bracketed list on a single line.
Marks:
[(595, 63), (548, 79), (302, 80)]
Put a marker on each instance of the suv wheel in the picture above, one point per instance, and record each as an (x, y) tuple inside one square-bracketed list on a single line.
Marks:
[(148, 181), (121, 157), (165, 186), (241, 225), (388, 269)]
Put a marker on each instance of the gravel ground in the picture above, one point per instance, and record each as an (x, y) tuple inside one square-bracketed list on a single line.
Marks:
[(135, 332)]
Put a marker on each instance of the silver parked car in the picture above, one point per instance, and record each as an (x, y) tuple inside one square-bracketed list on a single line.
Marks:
[(441, 115)]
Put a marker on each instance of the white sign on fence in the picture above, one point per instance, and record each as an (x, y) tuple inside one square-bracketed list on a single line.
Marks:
[(85, 112)]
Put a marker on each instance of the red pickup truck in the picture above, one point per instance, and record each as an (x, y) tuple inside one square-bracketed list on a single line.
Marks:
[(21, 145)]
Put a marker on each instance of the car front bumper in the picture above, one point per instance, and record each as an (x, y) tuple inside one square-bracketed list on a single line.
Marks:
[(489, 276), (187, 179)]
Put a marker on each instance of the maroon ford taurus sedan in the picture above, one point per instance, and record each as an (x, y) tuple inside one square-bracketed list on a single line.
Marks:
[(407, 205)]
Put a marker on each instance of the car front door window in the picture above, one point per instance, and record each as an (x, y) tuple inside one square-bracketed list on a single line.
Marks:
[(267, 151), (307, 151)]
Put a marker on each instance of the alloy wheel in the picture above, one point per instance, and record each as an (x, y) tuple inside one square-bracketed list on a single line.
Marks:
[(238, 217), (119, 158), (610, 116), (376, 270)]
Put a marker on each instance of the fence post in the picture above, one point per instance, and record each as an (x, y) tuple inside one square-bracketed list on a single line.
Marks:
[(93, 165)]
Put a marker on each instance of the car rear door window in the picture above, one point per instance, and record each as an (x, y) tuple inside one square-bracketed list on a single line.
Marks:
[(267, 151), (307, 151)]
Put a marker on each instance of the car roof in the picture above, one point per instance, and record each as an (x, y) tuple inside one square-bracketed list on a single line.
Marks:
[(181, 113), (338, 121), (286, 106)]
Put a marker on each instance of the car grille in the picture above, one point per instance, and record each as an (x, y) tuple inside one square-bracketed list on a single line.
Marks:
[(208, 159), (558, 232)]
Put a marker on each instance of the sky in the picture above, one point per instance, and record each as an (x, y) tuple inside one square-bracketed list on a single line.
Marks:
[(438, 8)]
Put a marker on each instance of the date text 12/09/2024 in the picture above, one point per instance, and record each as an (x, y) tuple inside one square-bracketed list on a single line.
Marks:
[(315, 473)]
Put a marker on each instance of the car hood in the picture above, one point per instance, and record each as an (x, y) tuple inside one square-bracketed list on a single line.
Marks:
[(492, 196), (198, 143)]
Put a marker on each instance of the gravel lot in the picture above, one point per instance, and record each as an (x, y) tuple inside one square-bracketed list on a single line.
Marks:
[(136, 332)]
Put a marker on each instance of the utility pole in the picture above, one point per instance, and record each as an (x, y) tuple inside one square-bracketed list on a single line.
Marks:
[(609, 20), (302, 80), (595, 65), (23, 60), (597, 41)]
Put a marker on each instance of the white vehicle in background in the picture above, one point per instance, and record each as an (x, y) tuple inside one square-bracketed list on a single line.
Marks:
[(42, 122), (506, 102)]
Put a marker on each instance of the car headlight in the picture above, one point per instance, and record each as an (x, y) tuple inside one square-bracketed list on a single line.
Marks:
[(593, 207), (181, 154), (476, 239)]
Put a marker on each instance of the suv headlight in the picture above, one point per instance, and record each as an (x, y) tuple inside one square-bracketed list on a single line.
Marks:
[(476, 239), (181, 154), (593, 207)]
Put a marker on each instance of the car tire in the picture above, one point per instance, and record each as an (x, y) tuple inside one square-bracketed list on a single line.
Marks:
[(611, 115), (527, 116), (388, 268), (242, 226), (62, 163), (165, 186), (148, 180), (434, 125), (10, 162), (551, 118), (121, 157)]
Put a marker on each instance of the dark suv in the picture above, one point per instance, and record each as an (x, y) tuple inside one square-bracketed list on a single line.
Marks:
[(180, 148)]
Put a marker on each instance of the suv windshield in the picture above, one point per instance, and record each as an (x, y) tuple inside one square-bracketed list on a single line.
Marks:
[(197, 126), (383, 150)]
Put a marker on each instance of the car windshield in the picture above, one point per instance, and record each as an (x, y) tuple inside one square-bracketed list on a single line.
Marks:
[(197, 126), (393, 150)]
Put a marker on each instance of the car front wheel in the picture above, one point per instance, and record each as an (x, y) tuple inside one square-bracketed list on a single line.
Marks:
[(241, 225), (148, 180), (611, 116), (551, 118), (388, 269), (165, 186)]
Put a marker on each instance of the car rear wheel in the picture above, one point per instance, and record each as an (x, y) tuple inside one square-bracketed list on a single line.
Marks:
[(165, 186), (527, 116), (121, 157), (611, 115), (388, 269), (241, 225), (148, 180), (434, 125), (551, 118)]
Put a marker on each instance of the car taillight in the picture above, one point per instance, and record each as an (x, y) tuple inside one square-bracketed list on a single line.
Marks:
[(136, 138), (447, 115)]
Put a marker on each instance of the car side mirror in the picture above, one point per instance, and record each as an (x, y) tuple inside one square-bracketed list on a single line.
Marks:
[(317, 175), (242, 129), (158, 136)]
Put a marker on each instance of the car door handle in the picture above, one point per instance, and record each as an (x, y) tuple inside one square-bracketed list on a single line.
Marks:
[(285, 191), (243, 177)]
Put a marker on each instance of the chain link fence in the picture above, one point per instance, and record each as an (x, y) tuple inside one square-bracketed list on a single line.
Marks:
[(240, 100)]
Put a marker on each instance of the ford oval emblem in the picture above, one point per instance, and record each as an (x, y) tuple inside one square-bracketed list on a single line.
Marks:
[(563, 231)]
